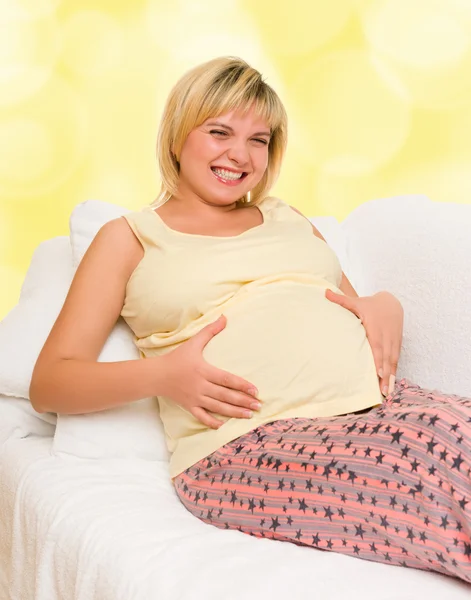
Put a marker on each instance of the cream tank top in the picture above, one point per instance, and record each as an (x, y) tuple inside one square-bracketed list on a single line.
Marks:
[(307, 356)]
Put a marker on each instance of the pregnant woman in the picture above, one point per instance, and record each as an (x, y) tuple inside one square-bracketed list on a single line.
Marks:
[(275, 381)]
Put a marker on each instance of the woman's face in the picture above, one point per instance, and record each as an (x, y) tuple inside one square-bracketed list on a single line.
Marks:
[(224, 158)]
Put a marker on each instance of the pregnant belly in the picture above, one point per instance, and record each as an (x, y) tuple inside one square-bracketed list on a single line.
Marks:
[(295, 346)]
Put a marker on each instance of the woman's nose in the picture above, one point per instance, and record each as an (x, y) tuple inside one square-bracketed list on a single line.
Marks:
[(239, 153)]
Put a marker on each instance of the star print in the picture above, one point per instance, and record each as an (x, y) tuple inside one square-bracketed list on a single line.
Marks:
[(359, 531), (352, 476), (329, 544), (384, 522), (356, 549), (373, 548), (302, 505), (275, 523), (316, 539), (281, 484), (463, 503), (395, 468), (444, 522), (457, 462), (328, 513), (433, 420), (405, 451), (410, 534), (277, 464), (379, 458), (414, 464), (396, 436)]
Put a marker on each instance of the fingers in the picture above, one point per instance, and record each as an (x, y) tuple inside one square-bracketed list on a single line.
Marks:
[(204, 417), (233, 382), (208, 332), (219, 396), (387, 359)]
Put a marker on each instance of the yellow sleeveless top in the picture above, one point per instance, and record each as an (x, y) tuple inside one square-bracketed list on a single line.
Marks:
[(307, 356)]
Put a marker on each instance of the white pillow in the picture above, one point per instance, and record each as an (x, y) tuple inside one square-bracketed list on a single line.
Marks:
[(134, 430), (420, 251), (25, 328), (20, 420)]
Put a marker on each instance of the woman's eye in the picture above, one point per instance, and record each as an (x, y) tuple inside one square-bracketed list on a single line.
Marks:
[(264, 142), (218, 132)]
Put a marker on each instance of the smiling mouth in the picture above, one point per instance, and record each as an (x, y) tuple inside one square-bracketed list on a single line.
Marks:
[(228, 177)]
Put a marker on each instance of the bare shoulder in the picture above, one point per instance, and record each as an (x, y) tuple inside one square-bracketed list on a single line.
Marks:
[(314, 229), (116, 243)]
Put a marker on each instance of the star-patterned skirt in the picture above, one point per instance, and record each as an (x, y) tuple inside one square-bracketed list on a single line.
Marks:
[(391, 484)]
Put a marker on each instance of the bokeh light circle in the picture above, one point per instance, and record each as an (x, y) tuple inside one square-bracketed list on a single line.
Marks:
[(92, 43), (29, 48), (42, 141), (426, 44), (298, 27), (352, 122)]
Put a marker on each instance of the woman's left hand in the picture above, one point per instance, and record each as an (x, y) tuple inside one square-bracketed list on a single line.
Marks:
[(382, 316)]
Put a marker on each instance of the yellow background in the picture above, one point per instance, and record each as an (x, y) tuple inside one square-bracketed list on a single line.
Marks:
[(378, 93)]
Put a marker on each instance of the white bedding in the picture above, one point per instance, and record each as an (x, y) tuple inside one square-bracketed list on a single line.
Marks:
[(115, 530)]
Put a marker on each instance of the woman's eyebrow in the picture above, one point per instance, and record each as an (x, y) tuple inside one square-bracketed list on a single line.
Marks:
[(219, 124)]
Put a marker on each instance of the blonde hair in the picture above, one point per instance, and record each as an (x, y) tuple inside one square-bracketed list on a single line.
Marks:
[(210, 90)]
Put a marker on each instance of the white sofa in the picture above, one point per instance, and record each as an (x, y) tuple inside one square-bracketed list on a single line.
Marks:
[(87, 511)]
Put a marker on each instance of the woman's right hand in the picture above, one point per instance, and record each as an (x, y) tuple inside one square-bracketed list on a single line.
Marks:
[(200, 387)]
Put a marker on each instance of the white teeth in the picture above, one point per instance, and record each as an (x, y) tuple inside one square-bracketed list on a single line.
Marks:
[(228, 174)]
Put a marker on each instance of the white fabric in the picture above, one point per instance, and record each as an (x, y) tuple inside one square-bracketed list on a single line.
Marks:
[(132, 430), (19, 420), (100, 530), (420, 251), (25, 328)]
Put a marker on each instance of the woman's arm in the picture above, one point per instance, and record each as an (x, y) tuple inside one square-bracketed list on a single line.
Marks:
[(67, 377)]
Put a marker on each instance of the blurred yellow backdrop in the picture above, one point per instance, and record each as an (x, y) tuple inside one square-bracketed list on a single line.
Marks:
[(378, 94)]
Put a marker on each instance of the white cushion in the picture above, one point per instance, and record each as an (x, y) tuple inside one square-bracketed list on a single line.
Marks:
[(420, 251), (25, 328), (134, 430), (20, 420)]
